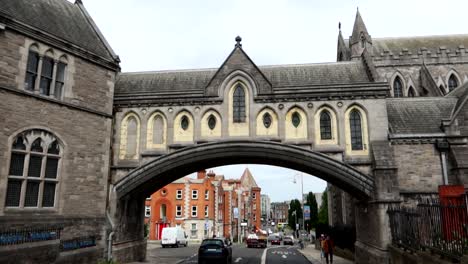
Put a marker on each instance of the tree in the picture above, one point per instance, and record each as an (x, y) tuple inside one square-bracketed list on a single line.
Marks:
[(312, 202), (294, 213), (323, 212)]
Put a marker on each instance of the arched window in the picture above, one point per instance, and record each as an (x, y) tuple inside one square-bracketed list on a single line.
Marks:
[(36, 185), (46, 76), (132, 137), (60, 78), (452, 82), (211, 122), (158, 130), (267, 120), (296, 119), (184, 122), (356, 130), (239, 105), (31, 70), (397, 87), (325, 125), (411, 92)]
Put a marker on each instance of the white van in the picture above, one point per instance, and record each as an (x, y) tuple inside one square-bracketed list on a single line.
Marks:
[(173, 237)]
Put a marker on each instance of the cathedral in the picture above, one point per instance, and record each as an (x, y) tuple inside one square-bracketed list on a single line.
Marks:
[(73, 127)]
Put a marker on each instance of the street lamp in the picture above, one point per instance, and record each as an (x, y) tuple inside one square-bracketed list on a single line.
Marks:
[(302, 198)]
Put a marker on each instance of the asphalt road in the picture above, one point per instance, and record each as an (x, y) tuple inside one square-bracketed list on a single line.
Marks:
[(240, 255)]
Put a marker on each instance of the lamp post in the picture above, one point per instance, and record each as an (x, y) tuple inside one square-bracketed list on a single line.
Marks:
[(238, 191), (302, 199)]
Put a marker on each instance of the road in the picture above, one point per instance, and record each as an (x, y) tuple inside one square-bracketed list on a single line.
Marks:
[(240, 255)]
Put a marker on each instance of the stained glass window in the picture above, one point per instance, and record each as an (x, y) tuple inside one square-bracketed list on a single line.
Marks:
[(325, 125), (239, 105)]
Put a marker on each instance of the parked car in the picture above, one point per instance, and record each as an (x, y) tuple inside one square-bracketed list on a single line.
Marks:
[(215, 250), (173, 237), (274, 240), (287, 240)]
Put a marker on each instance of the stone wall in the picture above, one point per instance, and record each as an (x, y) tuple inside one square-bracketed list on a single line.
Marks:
[(400, 256)]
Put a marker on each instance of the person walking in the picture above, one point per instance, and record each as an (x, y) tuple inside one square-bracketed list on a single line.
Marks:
[(328, 247), (322, 244)]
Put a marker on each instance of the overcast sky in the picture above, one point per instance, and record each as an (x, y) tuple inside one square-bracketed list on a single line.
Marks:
[(151, 35)]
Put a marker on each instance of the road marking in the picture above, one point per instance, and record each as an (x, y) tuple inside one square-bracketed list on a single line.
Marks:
[(263, 259), (238, 259), (283, 256)]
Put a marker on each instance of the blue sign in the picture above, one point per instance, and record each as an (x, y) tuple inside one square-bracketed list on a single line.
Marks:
[(306, 212)]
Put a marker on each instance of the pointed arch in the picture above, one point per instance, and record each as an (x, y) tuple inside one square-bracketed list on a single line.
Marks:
[(411, 91), (211, 124), (184, 127), (326, 126), (398, 85), (296, 124), (130, 136), (32, 67), (239, 109), (356, 131), (156, 131), (267, 122), (453, 80)]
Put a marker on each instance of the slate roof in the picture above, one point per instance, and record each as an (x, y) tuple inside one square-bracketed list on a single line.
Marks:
[(418, 115), (278, 75), (59, 18), (415, 44)]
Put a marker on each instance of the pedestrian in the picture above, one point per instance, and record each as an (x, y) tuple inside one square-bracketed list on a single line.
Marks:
[(328, 247), (322, 241)]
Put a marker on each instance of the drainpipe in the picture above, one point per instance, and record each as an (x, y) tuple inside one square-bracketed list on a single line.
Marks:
[(110, 237), (443, 147)]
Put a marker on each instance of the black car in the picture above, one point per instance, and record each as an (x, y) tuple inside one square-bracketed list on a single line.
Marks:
[(288, 241), (274, 240), (215, 250)]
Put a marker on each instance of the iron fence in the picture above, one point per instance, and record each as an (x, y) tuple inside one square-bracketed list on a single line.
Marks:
[(438, 226), (27, 235)]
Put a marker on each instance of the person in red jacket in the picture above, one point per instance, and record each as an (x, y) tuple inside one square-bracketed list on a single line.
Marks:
[(328, 247)]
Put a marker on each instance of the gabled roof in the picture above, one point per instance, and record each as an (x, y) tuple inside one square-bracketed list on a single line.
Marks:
[(61, 19), (351, 72), (422, 115), (416, 44), (247, 180)]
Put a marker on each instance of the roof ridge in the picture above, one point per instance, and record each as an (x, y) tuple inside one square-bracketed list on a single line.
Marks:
[(309, 64), (417, 36)]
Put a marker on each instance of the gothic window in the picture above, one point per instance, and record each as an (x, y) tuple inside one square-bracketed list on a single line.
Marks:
[(132, 137), (162, 211), (184, 122), (356, 130), (212, 122), (325, 125), (50, 84), (452, 82), (59, 80), (411, 92), (31, 70), (158, 130), (296, 119), (46, 76), (239, 105), (397, 87), (34, 170), (267, 120)]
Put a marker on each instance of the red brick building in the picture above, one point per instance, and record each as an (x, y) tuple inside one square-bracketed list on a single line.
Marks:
[(205, 206)]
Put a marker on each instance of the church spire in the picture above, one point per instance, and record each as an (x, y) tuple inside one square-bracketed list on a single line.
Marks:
[(360, 38)]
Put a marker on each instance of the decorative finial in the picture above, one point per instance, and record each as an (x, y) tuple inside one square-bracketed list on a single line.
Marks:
[(339, 25), (238, 40)]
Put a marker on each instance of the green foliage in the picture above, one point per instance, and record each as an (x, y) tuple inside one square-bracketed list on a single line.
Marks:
[(312, 202), (146, 230), (294, 208), (323, 212)]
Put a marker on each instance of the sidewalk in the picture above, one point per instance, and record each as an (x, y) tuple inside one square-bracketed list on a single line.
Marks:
[(313, 255)]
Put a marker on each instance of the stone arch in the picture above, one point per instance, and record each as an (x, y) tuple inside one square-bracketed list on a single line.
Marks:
[(181, 134), (261, 129), (157, 141), (364, 130), (34, 47), (167, 168), (410, 85), (293, 132), (452, 72), (124, 137), (334, 126), (49, 53), (396, 75), (238, 76), (206, 131)]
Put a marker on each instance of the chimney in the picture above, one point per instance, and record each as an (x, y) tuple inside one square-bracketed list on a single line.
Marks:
[(201, 174), (211, 174)]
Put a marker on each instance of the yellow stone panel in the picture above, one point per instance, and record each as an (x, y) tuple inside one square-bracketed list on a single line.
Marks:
[(205, 129), (334, 127), (261, 129), (123, 136), (364, 130), (238, 129), (150, 130), (181, 135), (299, 132)]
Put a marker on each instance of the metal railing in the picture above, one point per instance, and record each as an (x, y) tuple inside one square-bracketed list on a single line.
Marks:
[(28, 235), (441, 227), (76, 243)]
